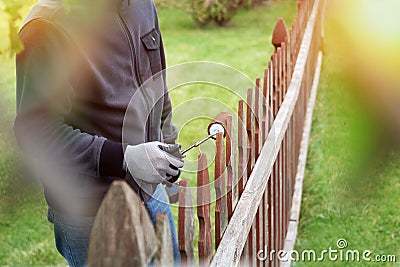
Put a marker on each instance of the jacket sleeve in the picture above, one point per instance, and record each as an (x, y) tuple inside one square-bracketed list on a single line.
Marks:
[(44, 95)]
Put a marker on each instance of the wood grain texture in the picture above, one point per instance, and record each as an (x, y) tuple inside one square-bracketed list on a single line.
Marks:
[(203, 211), (232, 186), (219, 185), (250, 131), (186, 227), (257, 119), (164, 255), (264, 115), (242, 147), (226, 120), (250, 125), (122, 234)]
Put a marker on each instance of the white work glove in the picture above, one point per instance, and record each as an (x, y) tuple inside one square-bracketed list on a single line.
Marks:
[(150, 163)]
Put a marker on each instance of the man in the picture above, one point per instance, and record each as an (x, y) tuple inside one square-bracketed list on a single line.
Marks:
[(86, 116)]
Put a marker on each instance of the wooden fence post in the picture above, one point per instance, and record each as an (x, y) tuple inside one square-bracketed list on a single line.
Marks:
[(226, 120), (232, 186), (275, 174), (250, 164), (279, 34), (164, 255), (203, 211), (265, 106), (257, 120), (258, 143), (279, 159), (122, 234), (242, 148), (219, 184), (186, 224)]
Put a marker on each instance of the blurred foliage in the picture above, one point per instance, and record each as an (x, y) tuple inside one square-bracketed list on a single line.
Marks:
[(15, 11), (219, 11), (12, 8), (206, 11), (222, 11)]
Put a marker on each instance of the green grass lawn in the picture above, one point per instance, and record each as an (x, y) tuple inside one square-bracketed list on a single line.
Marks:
[(26, 238), (352, 181)]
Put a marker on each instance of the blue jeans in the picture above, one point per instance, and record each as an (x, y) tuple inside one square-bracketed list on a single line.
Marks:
[(72, 234)]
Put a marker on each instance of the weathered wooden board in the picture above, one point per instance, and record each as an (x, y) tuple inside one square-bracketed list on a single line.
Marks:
[(264, 119), (226, 120), (219, 184), (186, 224), (232, 186), (257, 119), (242, 148), (250, 126), (203, 211), (164, 255), (122, 234)]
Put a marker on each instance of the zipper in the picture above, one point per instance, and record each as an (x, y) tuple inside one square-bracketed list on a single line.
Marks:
[(135, 66)]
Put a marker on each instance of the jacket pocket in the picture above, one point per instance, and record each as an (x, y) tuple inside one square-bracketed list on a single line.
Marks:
[(151, 41)]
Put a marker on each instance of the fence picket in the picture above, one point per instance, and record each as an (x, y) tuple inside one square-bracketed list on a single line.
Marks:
[(242, 148), (232, 187), (257, 120), (164, 255), (251, 160), (203, 211), (219, 184), (122, 234), (186, 224)]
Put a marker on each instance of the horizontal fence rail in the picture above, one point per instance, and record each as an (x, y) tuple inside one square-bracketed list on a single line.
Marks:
[(257, 176)]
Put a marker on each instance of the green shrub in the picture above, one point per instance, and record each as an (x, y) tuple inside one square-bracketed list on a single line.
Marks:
[(219, 11), (201, 12), (12, 9), (223, 10)]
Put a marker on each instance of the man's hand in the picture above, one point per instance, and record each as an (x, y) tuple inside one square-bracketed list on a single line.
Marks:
[(151, 163)]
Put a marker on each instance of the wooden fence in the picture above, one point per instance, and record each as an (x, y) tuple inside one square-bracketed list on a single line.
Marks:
[(257, 177)]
